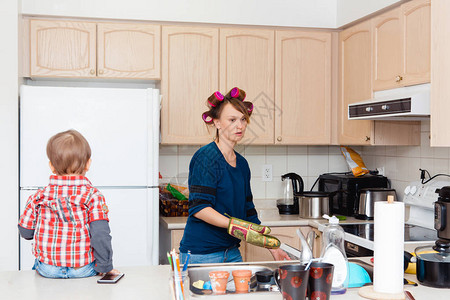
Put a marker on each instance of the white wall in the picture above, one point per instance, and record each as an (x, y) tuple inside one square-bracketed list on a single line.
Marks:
[(351, 10), (296, 13), (9, 135)]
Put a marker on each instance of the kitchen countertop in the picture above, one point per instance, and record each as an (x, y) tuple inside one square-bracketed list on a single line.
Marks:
[(146, 282), (268, 217), (271, 217)]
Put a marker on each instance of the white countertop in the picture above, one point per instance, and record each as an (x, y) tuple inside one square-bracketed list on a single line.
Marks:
[(149, 282)]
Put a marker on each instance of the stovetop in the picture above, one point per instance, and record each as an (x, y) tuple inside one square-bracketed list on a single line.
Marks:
[(413, 233)]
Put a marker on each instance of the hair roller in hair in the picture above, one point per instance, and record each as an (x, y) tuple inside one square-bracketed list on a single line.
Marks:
[(218, 95), (234, 92), (206, 118), (250, 108)]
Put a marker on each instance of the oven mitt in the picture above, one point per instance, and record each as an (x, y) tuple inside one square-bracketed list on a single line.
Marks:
[(252, 233)]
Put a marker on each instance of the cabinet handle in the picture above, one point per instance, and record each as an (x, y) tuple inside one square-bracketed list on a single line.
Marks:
[(398, 78), (100, 72), (367, 138), (92, 71), (279, 138)]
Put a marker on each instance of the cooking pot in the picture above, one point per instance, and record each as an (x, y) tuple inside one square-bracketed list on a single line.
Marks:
[(312, 205), (433, 264), (367, 199)]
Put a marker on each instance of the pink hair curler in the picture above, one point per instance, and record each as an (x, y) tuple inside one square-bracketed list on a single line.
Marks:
[(234, 92), (213, 105), (205, 117), (218, 95), (250, 109)]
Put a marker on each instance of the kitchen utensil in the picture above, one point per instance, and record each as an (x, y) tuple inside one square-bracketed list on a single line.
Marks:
[(288, 205), (409, 296), (433, 264), (306, 254), (368, 197), (320, 280), (292, 280), (358, 276)]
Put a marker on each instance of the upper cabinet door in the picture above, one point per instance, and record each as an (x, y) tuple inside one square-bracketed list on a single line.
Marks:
[(417, 41), (62, 48), (247, 61), (128, 50), (355, 72), (190, 74), (388, 50), (303, 87)]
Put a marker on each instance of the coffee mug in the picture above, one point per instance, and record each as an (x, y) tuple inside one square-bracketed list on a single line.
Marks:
[(320, 280), (292, 280)]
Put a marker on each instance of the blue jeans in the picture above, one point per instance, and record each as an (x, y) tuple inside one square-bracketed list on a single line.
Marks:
[(51, 271), (226, 256)]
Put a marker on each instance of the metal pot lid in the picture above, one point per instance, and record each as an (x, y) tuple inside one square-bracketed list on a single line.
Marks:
[(314, 194), (436, 253), (377, 190)]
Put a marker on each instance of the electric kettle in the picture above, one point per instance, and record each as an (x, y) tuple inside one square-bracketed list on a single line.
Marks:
[(288, 205)]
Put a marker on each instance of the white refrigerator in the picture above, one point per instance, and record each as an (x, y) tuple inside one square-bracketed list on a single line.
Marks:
[(122, 128)]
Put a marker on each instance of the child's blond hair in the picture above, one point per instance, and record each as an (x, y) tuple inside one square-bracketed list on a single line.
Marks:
[(69, 152)]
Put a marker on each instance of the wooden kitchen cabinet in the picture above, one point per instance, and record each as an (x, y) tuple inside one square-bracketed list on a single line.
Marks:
[(77, 49), (286, 235), (355, 75), (247, 60), (440, 73), (303, 87), (402, 46), (190, 74)]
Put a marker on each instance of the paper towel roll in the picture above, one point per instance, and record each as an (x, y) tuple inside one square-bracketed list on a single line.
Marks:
[(388, 247)]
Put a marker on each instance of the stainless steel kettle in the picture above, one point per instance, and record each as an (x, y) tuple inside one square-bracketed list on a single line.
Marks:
[(367, 199)]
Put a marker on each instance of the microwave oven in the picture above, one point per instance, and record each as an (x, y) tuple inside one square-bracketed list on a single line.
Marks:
[(345, 201)]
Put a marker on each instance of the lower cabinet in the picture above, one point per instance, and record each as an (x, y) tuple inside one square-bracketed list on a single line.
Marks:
[(170, 239)]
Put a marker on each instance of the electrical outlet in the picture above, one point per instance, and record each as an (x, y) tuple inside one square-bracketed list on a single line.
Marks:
[(267, 173), (380, 171)]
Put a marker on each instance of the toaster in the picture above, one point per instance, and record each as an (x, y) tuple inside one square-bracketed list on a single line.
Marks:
[(368, 197)]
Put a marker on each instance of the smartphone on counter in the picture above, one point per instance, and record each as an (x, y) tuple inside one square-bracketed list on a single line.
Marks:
[(110, 278)]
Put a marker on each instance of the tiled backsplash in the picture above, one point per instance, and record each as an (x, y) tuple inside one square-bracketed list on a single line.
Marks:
[(401, 163)]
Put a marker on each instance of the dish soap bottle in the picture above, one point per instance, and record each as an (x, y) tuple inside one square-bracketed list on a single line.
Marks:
[(333, 252)]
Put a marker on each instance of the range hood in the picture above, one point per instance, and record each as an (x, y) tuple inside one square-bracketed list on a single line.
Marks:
[(406, 103)]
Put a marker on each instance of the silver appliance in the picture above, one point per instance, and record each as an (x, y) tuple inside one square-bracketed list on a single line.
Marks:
[(367, 199), (419, 225)]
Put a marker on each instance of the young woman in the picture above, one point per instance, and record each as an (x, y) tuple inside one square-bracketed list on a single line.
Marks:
[(221, 209)]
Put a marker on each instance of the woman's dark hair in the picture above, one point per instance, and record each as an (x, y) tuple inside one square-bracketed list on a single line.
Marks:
[(216, 103)]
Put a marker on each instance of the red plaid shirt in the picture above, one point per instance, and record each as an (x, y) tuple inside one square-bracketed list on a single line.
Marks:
[(60, 214)]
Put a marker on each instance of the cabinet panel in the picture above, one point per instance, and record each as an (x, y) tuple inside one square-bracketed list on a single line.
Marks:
[(417, 37), (247, 61), (128, 50), (303, 87), (440, 73), (388, 54), (190, 74), (62, 48), (286, 235), (355, 72)]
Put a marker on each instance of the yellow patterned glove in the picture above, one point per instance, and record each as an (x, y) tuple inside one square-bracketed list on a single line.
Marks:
[(252, 233)]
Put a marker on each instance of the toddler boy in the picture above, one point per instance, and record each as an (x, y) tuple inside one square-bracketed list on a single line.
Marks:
[(68, 218)]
